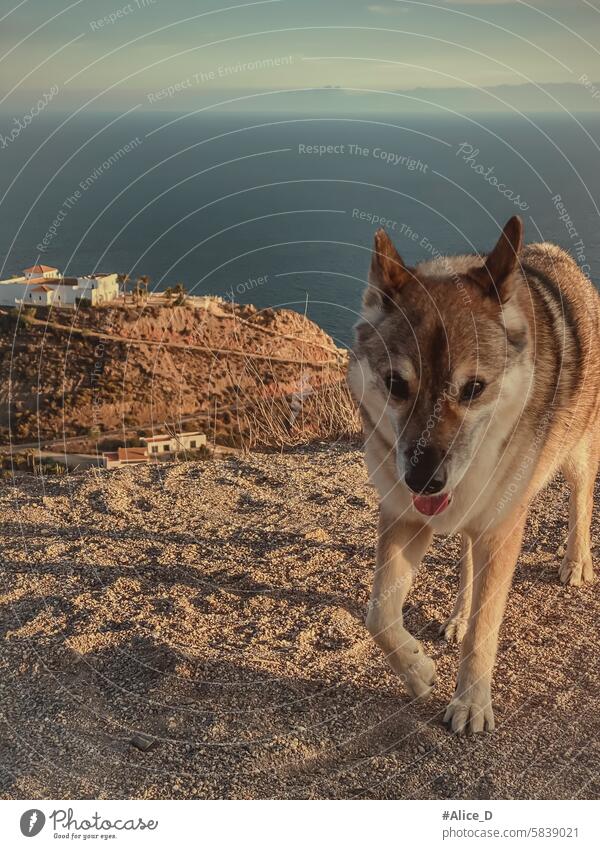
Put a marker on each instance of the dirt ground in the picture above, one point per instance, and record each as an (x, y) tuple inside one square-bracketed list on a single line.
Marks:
[(216, 609)]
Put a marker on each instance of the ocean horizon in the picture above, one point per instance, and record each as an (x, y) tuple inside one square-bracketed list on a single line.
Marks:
[(280, 210)]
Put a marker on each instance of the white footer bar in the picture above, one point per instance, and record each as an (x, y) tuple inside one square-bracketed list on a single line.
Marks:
[(306, 824)]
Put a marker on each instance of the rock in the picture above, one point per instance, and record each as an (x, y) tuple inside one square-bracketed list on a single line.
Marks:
[(142, 742), (317, 535)]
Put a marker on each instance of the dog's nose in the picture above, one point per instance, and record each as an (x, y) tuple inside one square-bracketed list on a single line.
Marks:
[(424, 487), (424, 472)]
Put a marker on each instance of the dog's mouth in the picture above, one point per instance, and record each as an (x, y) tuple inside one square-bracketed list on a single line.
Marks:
[(432, 505)]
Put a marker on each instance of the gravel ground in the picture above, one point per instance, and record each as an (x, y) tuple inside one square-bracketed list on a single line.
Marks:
[(196, 631)]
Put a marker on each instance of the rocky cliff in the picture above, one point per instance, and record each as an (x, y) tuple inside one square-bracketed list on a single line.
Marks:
[(207, 362)]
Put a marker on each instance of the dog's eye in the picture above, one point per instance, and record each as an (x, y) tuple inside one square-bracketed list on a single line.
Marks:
[(397, 386), (472, 389)]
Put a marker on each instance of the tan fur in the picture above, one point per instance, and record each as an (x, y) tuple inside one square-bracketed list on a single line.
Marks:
[(455, 627), (525, 323)]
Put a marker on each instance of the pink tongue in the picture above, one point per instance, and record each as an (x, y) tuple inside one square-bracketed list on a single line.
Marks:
[(431, 505)]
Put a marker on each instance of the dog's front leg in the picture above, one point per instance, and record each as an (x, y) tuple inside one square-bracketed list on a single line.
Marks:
[(400, 549), (454, 628), (494, 558)]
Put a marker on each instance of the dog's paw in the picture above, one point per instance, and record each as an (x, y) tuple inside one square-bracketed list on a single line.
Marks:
[(417, 671), (454, 629), (406, 657), (576, 572), (471, 712)]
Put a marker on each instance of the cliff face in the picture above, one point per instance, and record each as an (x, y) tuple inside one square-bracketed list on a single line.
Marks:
[(64, 373)]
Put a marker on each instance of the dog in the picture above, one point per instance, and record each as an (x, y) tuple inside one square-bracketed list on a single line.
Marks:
[(477, 379)]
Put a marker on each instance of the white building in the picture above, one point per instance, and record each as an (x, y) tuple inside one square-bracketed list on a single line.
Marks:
[(40, 294), (164, 444), (42, 285), (37, 271), (95, 288), (124, 457)]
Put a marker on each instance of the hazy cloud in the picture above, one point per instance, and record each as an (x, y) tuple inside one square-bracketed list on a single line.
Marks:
[(380, 9)]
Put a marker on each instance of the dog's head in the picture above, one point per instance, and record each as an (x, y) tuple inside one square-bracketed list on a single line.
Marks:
[(444, 346)]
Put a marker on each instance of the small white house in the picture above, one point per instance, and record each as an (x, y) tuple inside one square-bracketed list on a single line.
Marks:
[(165, 444), (155, 447), (36, 271), (124, 457), (40, 295), (42, 285), (96, 288), (20, 291)]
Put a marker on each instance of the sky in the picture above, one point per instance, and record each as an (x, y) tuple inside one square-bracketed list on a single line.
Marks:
[(341, 55)]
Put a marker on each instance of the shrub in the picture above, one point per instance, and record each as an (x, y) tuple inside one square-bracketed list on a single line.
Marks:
[(326, 414), (27, 314)]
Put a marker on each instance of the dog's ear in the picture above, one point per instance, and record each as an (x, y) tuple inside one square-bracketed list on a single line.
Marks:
[(388, 273), (496, 271)]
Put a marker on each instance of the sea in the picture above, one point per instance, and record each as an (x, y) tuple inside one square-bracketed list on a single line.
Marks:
[(279, 210)]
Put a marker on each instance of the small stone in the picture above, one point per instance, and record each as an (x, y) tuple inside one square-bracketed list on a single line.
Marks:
[(142, 742), (317, 535)]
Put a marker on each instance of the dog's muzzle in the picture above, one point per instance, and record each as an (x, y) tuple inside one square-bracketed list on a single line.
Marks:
[(425, 474), (426, 477)]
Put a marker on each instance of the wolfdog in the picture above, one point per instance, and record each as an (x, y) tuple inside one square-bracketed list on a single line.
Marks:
[(477, 379)]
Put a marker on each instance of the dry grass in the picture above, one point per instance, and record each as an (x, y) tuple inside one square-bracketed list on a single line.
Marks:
[(327, 415), (311, 403)]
